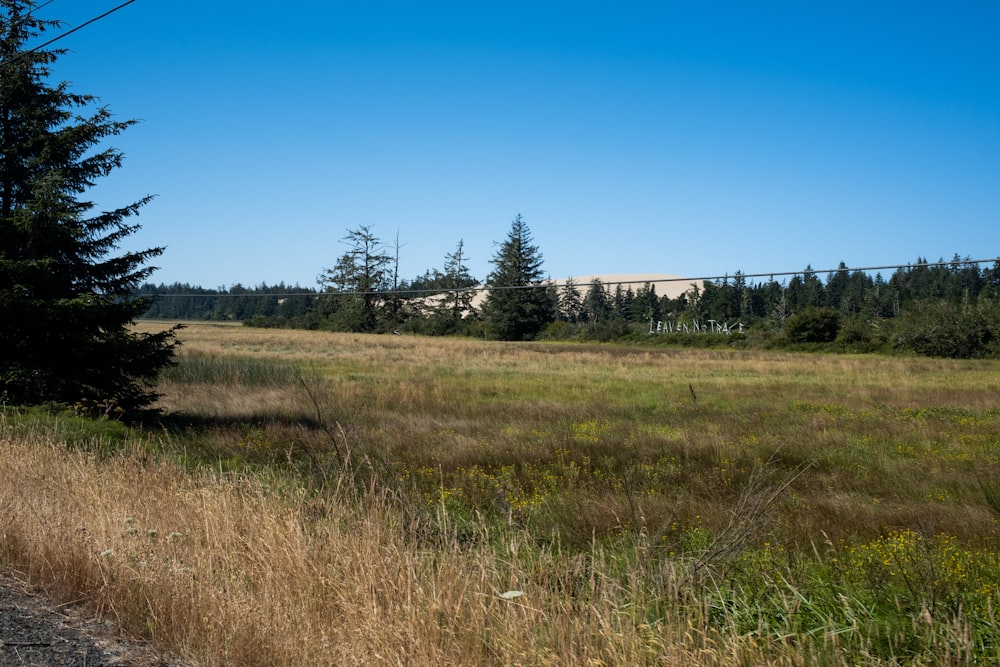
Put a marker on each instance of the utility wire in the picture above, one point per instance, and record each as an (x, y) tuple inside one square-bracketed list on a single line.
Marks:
[(23, 54), (37, 7), (549, 283), (837, 270)]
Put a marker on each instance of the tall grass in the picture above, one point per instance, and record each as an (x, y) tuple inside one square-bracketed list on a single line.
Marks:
[(348, 499), (236, 570)]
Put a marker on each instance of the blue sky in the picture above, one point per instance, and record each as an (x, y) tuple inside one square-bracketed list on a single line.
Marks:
[(694, 138)]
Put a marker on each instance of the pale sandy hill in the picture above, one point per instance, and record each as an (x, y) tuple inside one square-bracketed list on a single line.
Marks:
[(665, 284)]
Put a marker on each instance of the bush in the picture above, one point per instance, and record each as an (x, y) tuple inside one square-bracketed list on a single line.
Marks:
[(558, 330), (813, 325), (937, 328), (859, 335), (605, 330)]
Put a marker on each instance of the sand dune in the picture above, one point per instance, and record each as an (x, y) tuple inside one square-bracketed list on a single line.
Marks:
[(665, 284)]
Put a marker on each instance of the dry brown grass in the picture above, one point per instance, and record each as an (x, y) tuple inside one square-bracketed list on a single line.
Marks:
[(229, 571)]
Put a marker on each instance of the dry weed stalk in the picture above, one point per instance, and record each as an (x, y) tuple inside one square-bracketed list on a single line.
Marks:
[(748, 518)]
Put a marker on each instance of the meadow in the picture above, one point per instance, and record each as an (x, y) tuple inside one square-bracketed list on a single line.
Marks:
[(314, 498)]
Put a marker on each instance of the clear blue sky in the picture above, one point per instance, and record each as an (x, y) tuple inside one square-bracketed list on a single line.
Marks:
[(692, 138)]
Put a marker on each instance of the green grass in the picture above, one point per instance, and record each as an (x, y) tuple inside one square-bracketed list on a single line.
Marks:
[(837, 508), (228, 371), (665, 433), (64, 424)]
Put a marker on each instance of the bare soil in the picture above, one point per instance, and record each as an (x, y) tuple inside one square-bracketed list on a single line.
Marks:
[(36, 631)]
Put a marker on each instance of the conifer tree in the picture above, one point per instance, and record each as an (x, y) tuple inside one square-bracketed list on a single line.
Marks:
[(457, 301), (646, 305), (360, 282), (570, 302), (67, 301), (518, 306), (597, 303)]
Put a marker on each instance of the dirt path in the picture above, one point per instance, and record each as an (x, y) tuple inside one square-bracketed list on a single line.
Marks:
[(35, 632)]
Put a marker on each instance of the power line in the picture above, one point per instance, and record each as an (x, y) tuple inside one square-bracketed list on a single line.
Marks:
[(837, 270), (37, 7), (549, 283), (69, 32)]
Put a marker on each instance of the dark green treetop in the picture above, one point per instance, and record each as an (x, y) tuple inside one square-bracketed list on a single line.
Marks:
[(597, 303), (518, 306)]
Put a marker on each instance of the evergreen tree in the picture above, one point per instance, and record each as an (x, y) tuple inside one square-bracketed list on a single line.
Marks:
[(771, 303), (458, 280), (693, 302), (991, 282), (805, 291), (776, 302), (852, 302), (621, 302), (673, 307), (597, 303), (646, 305), (876, 300), (966, 280), (836, 287), (518, 306), (68, 302), (449, 307), (355, 283), (570, 302), (743, 296), (719, 301), (911, 283)]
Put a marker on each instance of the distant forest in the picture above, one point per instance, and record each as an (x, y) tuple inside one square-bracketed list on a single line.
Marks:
[(945, 308)]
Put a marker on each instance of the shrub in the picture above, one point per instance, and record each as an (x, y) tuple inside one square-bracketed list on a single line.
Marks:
[(813, 325), (605, 330), (859, 335), (557, 330), (937, 328)]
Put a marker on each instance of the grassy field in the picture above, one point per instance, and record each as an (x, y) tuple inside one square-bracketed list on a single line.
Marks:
[(326, 499)]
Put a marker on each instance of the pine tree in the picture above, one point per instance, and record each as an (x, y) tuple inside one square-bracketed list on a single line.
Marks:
[(458, 280), (622, 301), (836, 287), (361, 274), (597, 303), (646, 305), (518, 306), (570, 302), (67, 301)]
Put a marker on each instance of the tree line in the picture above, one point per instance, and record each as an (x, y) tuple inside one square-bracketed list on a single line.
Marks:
[(182, 301), (943, 308)]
